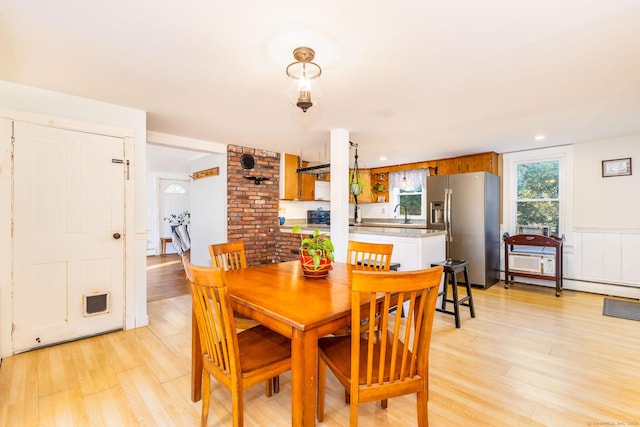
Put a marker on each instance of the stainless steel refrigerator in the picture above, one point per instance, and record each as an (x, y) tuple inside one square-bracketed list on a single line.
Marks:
[(467, 206)]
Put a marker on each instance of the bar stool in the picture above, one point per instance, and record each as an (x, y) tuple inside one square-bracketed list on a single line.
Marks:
[(451, 269)]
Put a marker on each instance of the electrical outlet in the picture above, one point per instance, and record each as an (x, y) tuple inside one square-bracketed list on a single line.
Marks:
[(384, 211)]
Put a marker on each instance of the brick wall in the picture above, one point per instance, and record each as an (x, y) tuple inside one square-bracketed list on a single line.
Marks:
[(287, 246), (253, 209)]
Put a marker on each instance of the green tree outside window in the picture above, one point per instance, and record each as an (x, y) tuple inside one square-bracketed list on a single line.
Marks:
[(538, 195)]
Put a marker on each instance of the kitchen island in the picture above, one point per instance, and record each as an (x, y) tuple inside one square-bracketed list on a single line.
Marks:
[(413, 248)]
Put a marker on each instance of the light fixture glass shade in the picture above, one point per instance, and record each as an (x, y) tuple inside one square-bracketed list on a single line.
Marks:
[(304, 72)]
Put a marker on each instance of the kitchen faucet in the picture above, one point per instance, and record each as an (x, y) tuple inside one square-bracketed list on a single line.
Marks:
[(406, 218)]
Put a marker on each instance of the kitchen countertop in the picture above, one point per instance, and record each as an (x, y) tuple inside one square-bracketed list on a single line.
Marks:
[(359, 229)]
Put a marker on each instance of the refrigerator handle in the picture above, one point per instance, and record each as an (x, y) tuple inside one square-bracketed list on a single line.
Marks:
[(449, 225)]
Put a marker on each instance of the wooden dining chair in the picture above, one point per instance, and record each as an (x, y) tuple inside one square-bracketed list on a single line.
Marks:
[(366, 256), (369, 256), (231, 256), (393, 360), (237, 360)]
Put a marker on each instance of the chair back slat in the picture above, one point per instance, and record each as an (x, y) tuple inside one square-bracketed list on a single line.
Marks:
[(369, 256), (228, 256), (214, 315), (393, 354)]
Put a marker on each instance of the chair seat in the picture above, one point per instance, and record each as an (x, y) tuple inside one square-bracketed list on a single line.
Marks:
[(332, 347), (260, 347)]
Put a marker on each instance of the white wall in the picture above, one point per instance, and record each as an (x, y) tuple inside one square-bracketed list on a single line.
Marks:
[(291, 209), (606, 251), (19, 102), (602, 246), (607, 203), (208, 208)]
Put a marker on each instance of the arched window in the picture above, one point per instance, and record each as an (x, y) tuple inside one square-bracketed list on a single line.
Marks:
[(175, 189)]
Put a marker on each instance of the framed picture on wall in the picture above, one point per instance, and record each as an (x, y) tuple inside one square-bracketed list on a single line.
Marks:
[(616, 167)]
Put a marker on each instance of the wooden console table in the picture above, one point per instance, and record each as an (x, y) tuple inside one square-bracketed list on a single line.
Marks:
[(534, 240), (163, 243)]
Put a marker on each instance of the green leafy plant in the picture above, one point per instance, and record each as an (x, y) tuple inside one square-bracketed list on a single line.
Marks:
[(179, 219), (318, 246), (378, 187)]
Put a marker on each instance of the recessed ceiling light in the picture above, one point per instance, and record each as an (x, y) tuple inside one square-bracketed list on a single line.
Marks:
[(539, 137), (383, 158)]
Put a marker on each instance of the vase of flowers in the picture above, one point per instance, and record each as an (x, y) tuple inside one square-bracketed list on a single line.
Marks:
[(175, 220)]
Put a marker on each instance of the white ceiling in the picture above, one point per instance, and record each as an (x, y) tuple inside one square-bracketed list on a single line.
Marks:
[(411, 80)]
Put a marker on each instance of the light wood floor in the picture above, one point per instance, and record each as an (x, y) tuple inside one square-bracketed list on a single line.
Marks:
[(528, 359), (165, 277)]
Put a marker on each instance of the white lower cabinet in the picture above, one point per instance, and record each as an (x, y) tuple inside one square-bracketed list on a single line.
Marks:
[(413, 253)]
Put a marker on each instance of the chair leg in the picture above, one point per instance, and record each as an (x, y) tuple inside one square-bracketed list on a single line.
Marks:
[(423, 417), (276, 384), (347, 398), (206, 397), (353, 413), (269, 387), (237, 406), (384, 403), (322, 383)]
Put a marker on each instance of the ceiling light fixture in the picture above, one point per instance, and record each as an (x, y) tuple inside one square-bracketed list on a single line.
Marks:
[(304, 71)]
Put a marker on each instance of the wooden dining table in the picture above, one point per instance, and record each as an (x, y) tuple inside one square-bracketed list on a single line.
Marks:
[(303, 309)]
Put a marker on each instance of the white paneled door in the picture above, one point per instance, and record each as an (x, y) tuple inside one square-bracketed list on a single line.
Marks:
[(68, 236), (174, 197)]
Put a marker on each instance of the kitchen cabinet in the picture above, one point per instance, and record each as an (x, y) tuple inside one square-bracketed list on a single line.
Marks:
[(448, 166), (288, 176), (294, 185), (367, 194), (483, 162), (380, 180), (307, 185)]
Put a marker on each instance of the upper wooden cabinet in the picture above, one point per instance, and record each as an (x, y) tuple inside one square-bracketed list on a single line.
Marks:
[(366, 196), (288, 176), (294, 185), (307, 185), (483, 162)]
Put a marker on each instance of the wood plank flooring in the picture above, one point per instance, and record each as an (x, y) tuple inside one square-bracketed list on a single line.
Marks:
[(165, 277), (528, 359)]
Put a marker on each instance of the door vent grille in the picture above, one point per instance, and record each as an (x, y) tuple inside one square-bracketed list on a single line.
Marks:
[(96, 304)]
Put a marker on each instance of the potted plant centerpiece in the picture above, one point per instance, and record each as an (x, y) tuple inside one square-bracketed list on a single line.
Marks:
[(316, 253)]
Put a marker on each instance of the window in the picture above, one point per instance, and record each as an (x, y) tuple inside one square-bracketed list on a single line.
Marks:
[(538, 189), (175, 189), (538, 194), (408, 189)]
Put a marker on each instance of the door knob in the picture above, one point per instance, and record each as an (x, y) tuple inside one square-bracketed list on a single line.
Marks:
[(116, 236)]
